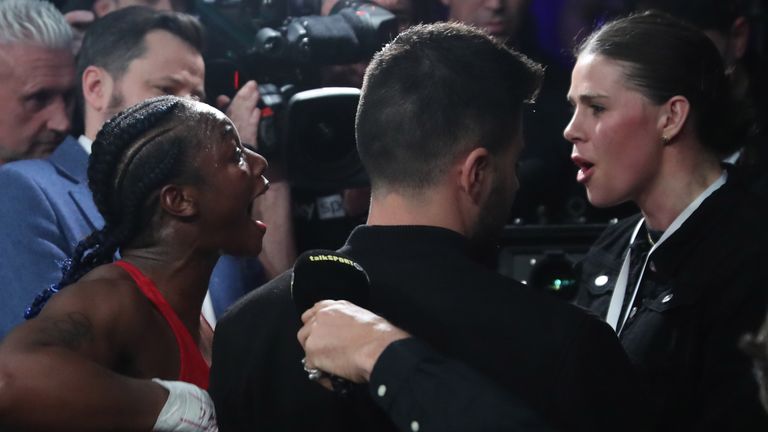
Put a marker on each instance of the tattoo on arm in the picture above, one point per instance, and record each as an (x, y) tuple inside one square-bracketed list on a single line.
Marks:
[(69, 331)]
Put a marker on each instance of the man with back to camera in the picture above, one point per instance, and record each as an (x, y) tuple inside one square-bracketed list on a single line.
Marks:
[(439, 131), (37, 77), (46, 207)]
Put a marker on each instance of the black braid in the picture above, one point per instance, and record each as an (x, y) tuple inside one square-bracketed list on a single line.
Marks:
[(134, 154), (114, 140)]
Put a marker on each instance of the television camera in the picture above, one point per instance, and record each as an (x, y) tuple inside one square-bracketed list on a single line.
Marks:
[(306, 128)]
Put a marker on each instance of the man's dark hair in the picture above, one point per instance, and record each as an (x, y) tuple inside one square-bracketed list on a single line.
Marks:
[(665, 57), (118, 38), (435, 92)]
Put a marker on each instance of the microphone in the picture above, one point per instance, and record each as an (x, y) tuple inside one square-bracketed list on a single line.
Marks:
[(328, 275)]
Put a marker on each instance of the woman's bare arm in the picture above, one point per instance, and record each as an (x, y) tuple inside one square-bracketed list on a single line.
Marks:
[(54, 369)]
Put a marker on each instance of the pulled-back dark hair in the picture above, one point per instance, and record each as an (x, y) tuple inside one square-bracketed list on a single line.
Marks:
[(137, 152), (434, 92), (115, 40), (665, 57), (716, 15)]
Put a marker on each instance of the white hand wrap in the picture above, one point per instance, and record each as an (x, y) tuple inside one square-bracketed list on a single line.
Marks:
[(188, 409)]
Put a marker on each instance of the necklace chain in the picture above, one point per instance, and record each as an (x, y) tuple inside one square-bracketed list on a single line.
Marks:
[(650, 239)]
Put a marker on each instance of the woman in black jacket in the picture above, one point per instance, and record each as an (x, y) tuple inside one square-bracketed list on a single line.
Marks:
[(653, 118)]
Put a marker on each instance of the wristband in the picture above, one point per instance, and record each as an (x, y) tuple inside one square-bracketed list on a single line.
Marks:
[(188, 409)]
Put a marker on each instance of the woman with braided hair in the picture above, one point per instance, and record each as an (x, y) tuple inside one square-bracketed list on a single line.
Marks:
[(123, 345)]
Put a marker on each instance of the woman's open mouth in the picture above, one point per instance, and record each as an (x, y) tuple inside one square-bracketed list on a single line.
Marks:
[(586, 168), (252, 214)]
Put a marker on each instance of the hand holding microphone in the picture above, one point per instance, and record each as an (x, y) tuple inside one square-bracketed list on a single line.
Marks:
[(345, 340), (324, 274), (339, 337)]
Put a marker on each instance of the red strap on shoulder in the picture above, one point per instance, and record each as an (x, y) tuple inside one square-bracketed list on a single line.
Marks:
[(194, 368)]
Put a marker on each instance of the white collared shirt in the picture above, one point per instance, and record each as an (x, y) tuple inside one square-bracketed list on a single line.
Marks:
[(86, 143)]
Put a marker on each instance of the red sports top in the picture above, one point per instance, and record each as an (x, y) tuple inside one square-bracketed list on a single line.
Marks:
[(193, 368)]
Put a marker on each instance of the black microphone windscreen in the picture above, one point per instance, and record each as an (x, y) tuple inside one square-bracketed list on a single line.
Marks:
[(328, 275)]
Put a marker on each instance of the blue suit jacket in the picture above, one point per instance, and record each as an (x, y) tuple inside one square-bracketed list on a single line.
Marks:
[(46, 208)]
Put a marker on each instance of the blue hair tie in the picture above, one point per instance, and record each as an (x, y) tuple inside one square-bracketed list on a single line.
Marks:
[(41, 299), (37, 305)]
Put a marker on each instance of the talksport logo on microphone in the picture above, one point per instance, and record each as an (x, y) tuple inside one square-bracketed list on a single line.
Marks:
[(335, 258)]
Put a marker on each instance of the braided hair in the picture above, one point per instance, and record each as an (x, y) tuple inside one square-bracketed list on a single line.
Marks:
[(136, 152)]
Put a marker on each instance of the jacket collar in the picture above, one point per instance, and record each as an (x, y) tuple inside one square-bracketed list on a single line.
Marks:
[(71, 160)]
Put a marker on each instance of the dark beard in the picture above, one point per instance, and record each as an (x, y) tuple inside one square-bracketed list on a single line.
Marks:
[(484, 240), (115, 103)]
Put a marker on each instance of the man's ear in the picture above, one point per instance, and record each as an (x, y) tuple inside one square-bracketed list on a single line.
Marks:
[(97, 88), (326, 6), (738, 39), (179, 200), (673, 117), (103, 7), (475, 173)]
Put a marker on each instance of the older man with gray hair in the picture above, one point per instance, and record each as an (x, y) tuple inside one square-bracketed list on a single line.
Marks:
[(37, 74)]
